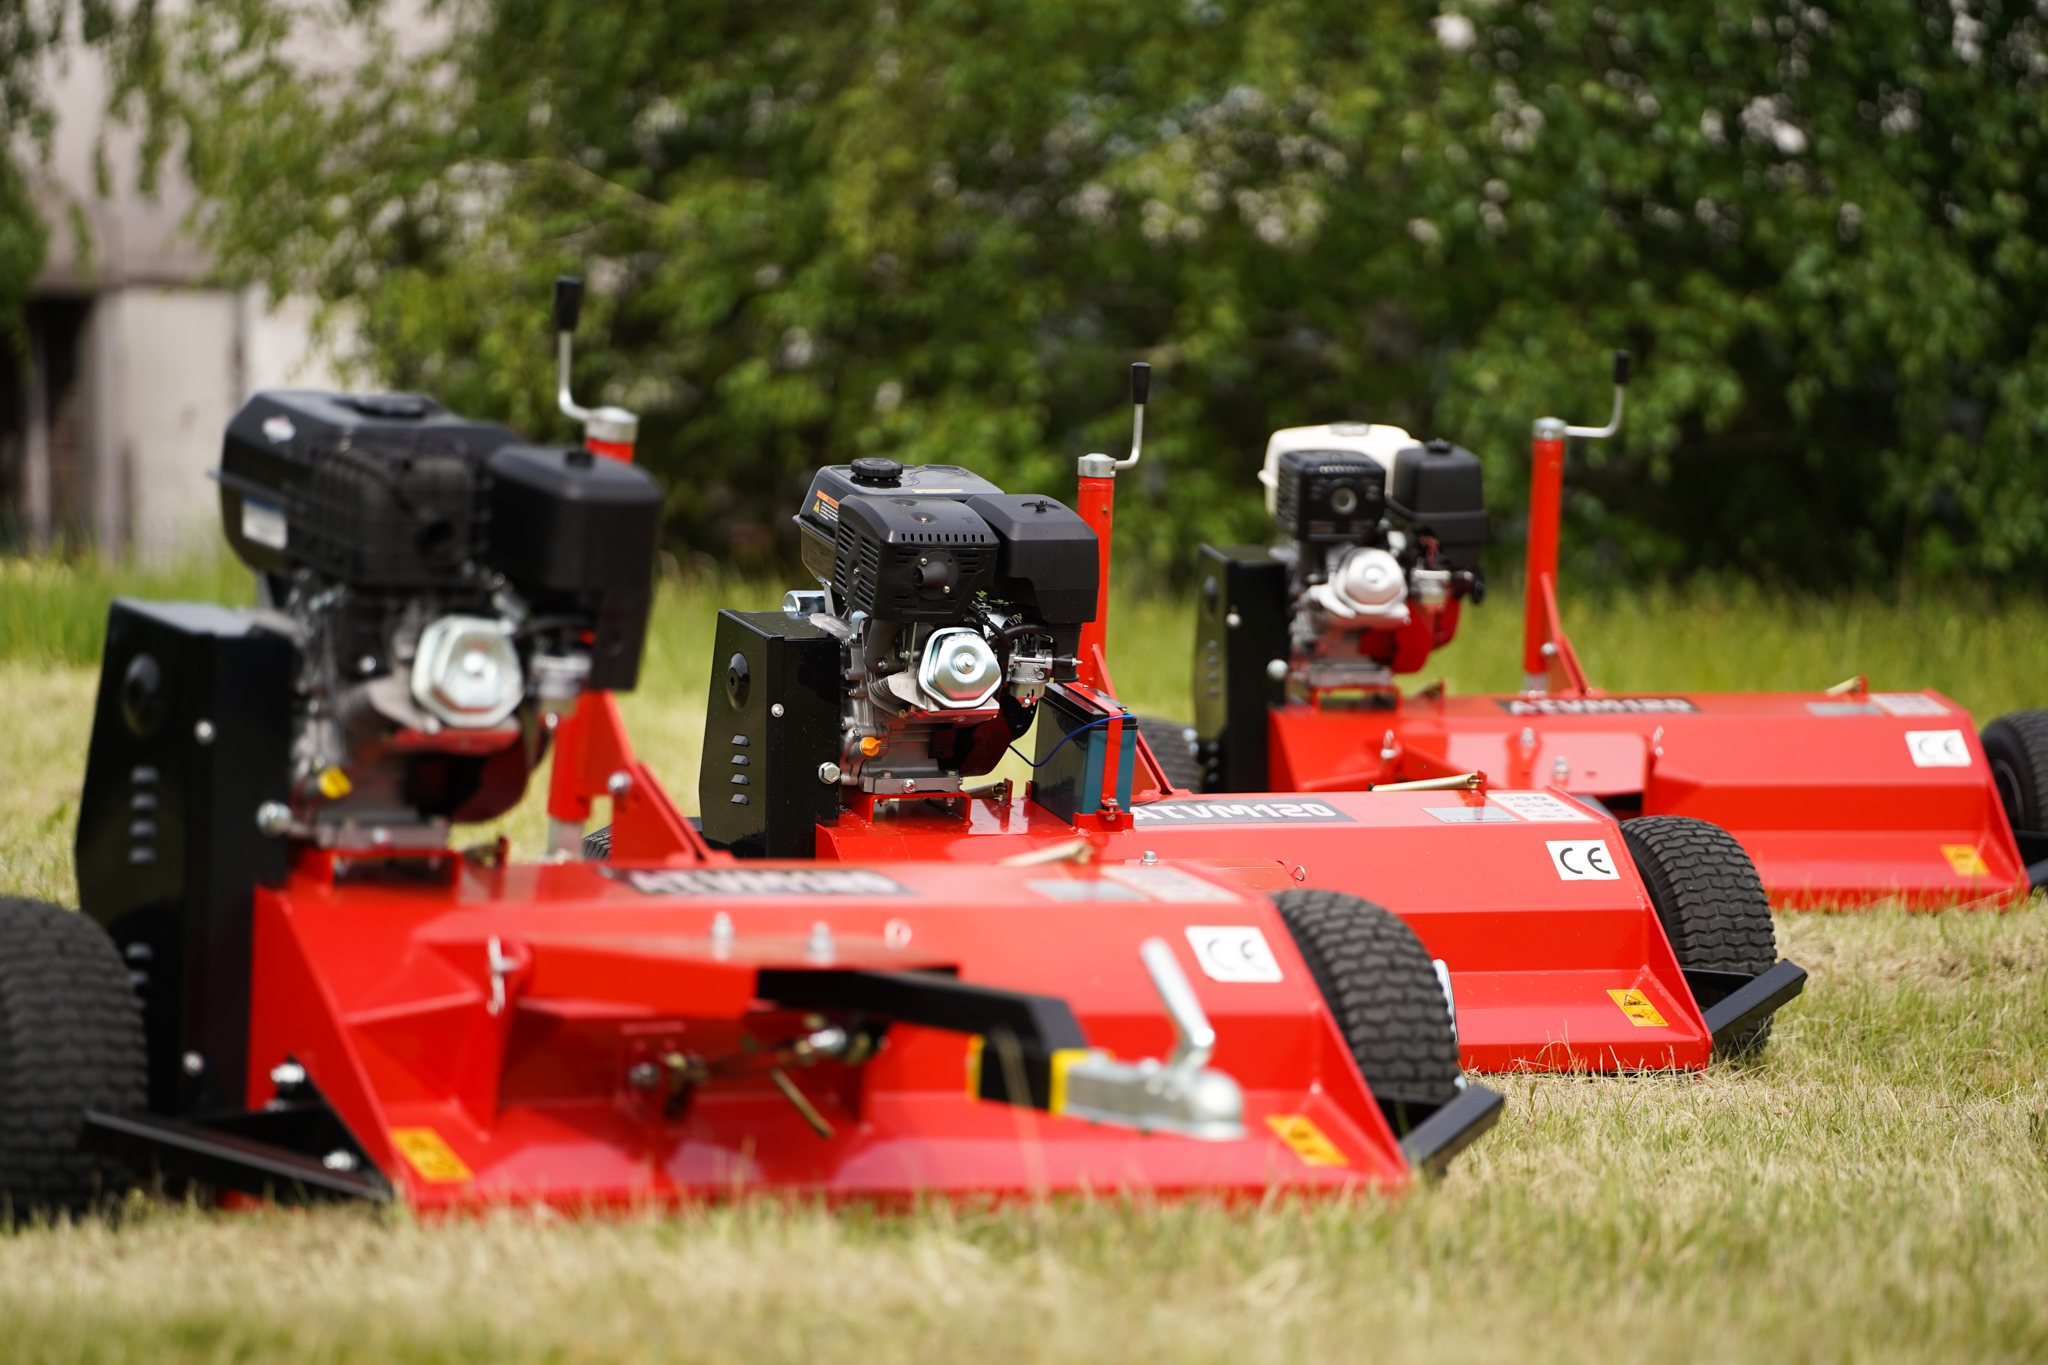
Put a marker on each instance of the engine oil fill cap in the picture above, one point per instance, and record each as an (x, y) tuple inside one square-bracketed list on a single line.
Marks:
[(874, 472)]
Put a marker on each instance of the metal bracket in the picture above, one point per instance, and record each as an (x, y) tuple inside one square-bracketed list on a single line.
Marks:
[(1432, 1143), (1749, 1004), (228, 1160)]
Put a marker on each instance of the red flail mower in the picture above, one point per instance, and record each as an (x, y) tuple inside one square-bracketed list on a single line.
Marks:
[(286, 981), (951, 619), (1839, 797)]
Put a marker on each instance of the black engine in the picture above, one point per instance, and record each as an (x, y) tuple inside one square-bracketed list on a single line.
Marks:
[(944, 608)]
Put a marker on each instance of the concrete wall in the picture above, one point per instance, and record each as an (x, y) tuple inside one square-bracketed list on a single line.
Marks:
[(111, 440)]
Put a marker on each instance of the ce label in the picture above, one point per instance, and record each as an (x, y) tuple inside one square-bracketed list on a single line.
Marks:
[(1583, 860)]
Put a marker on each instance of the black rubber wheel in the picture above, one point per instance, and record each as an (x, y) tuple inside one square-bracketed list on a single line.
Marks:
[(597, 845), (1381, 984), (1710, 900), (1173, 745), (70, 1040), (2017, 748)]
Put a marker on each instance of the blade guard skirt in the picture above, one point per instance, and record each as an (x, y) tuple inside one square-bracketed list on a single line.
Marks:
[(1838, 800), (587, 1035), (1550, 971)]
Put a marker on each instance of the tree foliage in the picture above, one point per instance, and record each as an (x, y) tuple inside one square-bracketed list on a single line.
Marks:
[(940, 229)]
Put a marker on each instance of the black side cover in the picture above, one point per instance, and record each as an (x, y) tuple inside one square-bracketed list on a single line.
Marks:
[(191, 733), (758, 786), (1232, 688)]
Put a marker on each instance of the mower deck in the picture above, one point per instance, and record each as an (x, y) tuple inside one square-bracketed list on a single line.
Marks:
[(1838, 799), (502, 1036), (1572, 971)]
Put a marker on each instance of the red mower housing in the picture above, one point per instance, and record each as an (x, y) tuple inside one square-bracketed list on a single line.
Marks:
[(287, 982), (951, 619), (1843, 796)]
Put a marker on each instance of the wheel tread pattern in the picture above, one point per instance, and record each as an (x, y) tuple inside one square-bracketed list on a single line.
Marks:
[(1381, 985), (2018, 744), (1709, 898), (1169, 742), (70, 1039)]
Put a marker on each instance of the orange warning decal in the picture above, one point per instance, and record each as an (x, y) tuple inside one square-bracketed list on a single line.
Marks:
[(1965, 859), (1309, 1142), (1638, 1008), (429, 1154)]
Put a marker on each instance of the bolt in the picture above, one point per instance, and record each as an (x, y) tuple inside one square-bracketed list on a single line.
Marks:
[(274, 818), (619, 783), (643, 1076), (721, 934), (1233, 620), (203, 732), (828, 773), (287, 1074), (1276, 669), (820, 943), (1561, 769), (194, 1064), (340, 1159), (1528, 737), (1150, 859), (775, 710)]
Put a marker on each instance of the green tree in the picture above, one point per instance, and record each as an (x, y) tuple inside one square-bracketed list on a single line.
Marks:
[(940, 228)]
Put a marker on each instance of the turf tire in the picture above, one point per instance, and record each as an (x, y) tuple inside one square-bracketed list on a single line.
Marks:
[(1173, 748), (2016, 746), (1709, 899), (70, 1040), (1381, 985)]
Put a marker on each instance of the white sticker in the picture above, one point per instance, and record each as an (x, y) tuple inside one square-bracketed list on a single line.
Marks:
[(1583, 860), (1541, 807), (264, 524), (1938, 748), (1908, 704), (1169, 884), (1469, 815), (1084, 889), (278, 429), (1233, 952)]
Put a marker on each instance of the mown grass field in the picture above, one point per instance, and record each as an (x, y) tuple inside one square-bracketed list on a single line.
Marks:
[(1874, 1188)]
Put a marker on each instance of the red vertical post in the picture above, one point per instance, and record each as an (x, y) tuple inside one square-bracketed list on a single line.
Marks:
[(1546, 506), (1097, 499), (612, 433)]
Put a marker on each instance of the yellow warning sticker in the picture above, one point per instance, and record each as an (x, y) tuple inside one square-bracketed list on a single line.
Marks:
[(1638, 1008), (1965, 859), (430, 1155), (1309, 1142)]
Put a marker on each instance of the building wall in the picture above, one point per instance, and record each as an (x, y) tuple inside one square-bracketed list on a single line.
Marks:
[(137, 362)]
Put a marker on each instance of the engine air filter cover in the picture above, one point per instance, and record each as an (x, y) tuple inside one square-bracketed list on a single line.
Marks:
[(1048, 560), (1440, 488)]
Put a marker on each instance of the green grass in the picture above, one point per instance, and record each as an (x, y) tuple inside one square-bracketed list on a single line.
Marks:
[(1875, 1188)]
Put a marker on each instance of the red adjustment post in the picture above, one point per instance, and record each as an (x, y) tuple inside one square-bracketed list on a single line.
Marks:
[(1546, 653), (1546, 508)]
